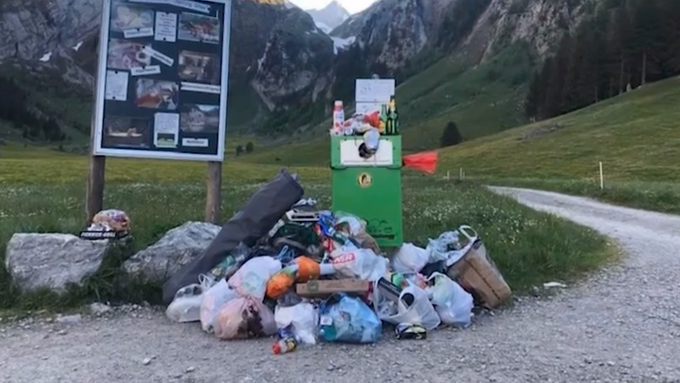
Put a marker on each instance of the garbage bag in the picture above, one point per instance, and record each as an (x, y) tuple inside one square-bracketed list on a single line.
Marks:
[(212, 301), (346, 319), (251, 279), (186, 305), (244, 317), (364, 264), (425, 162), (110, 220), (255, 220), (410, 259), (451, 301), (302, 318), (412, 308)]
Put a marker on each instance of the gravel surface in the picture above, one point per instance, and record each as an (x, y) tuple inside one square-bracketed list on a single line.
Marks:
[(620, 326)]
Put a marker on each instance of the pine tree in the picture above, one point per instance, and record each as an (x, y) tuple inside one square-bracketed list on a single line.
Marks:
[(451, 135)]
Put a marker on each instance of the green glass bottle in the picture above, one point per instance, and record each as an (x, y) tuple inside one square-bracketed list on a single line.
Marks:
[(394, 116), (383, 116)]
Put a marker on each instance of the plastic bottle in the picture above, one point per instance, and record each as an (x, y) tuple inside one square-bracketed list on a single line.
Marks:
[(287, 342), (338, 118)]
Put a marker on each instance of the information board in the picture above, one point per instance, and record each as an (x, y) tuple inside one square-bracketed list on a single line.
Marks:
[(162, 79), (371, 94)]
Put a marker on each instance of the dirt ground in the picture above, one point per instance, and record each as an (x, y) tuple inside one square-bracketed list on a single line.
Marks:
[(622, 325)]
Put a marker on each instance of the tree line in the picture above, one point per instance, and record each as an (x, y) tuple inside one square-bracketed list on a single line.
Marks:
[(624, 44), (15, 108)]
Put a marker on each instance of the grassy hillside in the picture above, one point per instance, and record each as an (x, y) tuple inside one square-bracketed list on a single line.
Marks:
[(635, 135), (482, 100)]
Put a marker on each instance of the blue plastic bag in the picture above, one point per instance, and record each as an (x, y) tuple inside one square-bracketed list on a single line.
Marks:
[(345, 319)]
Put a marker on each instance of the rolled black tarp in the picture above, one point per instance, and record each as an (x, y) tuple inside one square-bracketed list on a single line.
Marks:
[(254, 221)]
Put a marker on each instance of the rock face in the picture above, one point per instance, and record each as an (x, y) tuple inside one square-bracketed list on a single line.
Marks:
[(175, 249), (52, 260)]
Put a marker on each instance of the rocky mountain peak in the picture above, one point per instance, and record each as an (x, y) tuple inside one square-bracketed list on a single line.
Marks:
[(330, 16)]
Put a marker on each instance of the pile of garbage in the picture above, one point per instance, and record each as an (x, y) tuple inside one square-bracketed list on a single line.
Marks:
[(281, 267)]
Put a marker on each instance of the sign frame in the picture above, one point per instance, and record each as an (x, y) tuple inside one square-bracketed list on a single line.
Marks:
[(100, 99)]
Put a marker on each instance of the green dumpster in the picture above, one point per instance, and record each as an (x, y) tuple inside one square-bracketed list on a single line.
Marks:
[(369, 188)]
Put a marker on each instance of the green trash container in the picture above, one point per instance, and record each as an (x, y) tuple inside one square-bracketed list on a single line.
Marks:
[(369, 188)]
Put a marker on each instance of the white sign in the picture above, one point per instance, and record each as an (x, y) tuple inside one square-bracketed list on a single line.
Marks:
[(150, 103), (372, 90)]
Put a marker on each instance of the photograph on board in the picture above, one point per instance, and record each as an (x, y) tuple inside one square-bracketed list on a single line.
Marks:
[(196, 118), (166, 130), (156, 94), (124, 54), (199, 28), (200, 67), (126, 132), (125, 17)]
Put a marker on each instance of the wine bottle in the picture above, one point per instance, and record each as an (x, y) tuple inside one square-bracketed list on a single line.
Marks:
[(394, 116)]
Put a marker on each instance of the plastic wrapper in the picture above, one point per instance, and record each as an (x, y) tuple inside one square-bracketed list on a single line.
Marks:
[(346, 319), (413, 308), (451, 246), (110, 220), (425, 162), (244, 317), (230, 265), (186, 307), (410, 259)]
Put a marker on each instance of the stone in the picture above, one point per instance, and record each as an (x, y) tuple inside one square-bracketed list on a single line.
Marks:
[(69, 319), (175, 249), (99, 308), (52, 261)]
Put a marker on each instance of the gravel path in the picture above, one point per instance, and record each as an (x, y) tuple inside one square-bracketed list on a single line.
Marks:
[(621, 326)]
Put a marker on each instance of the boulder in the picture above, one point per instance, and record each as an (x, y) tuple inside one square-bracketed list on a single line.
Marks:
[(52, 260), (177, 248)]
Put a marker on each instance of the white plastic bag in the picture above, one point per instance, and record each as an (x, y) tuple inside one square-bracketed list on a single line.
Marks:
[(364, 264), (441, 249), (452, 302), (244, 317), (251, 279), (421, 312), (186, 306), (410, 259), (303, 319), (212, 301)]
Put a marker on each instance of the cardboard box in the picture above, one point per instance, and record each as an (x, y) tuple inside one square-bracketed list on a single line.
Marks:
[(325, 288)]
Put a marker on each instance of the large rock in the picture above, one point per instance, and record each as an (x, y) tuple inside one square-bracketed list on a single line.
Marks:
[(52, 260), (177, 248)]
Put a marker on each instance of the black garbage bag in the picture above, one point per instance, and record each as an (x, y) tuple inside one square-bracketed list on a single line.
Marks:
[(255, 220)]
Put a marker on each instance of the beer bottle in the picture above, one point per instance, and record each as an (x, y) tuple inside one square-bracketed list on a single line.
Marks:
[(394, 116)]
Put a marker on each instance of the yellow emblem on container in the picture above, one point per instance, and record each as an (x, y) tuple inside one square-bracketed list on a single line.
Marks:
[(365, 180)]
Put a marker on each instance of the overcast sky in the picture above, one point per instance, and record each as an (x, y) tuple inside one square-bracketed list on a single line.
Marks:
[(353, 6)]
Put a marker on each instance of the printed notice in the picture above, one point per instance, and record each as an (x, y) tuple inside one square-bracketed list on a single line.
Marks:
[(116, 85), (138, 32), (159, 56), (195, 142), (166, 130), (202, 88), (166, 27), (145, 71)]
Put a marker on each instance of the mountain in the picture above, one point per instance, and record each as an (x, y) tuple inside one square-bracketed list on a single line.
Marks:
[(330, 16), (279, 58)]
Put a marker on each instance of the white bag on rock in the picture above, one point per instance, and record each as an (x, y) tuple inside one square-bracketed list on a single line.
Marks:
[(410, 259), (212, 301), (303, 318), (364, 264), (421, 312), (452, 303), (251, 279)]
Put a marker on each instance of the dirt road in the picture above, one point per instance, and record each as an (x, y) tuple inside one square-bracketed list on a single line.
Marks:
[(621, 326)]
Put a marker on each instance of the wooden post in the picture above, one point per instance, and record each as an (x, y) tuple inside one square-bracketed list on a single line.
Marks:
[(213, 205), (94, 197), (601, 177)]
